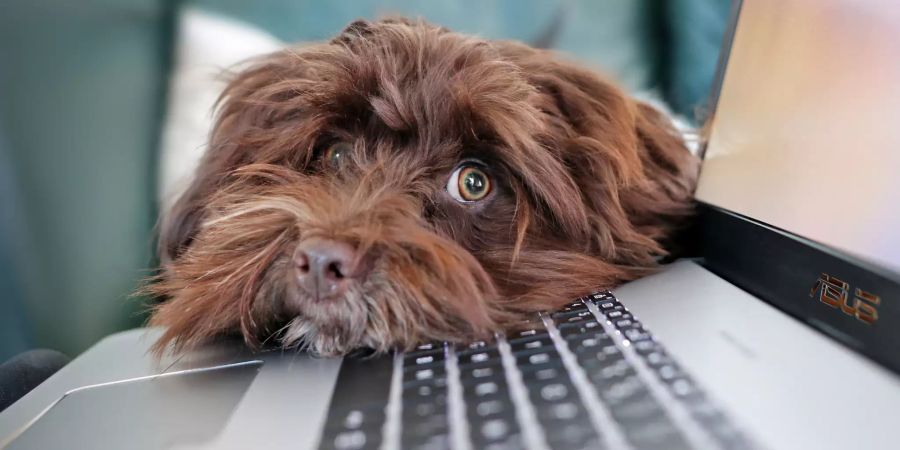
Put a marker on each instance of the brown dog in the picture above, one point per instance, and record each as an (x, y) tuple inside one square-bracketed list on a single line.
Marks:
[(406, 183)]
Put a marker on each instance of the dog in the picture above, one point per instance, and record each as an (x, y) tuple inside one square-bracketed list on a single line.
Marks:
[(405, 183)]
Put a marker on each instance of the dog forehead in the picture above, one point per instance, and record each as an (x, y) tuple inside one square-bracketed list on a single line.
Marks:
[(435, 85), (442, 95)]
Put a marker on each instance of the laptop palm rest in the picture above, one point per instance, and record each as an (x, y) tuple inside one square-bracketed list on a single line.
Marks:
[(174, 410)]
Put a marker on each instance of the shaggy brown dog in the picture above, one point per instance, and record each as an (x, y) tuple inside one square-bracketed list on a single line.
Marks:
[(404, 183)]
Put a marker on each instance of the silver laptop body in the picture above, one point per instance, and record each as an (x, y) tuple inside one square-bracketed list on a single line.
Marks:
[(783, 333)]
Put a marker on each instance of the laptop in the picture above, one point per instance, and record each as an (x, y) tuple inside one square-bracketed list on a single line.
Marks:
[(784, 332)]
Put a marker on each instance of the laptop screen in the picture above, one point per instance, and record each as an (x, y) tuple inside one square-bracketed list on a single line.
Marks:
[(806, 131)]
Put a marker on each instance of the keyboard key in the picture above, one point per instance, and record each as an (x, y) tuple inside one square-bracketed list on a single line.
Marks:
[(611, 371), (552, 392), (440, 382), (565, 315), (495, 429), (621, 388), (530, 345), (574, 306), (570, 329), (418, 424), (658, 359), (478, 372), (538, 360), (642, 406), (351, 440), (683, 388), (427, 390), (490, 363), (657, 433), (545, 374), (602, 296), (479, 356), (607, 305), (487, 388), (437, 365), (572, 434), (413, 411), (429, 346), (587, 342), (575, 317), (414, 398), (511, 439), (423, 358), (561, 411), (486, 392), (528, 334), (424, 374), (426, 441), (367, 418), (425, 349), (636, 334), (476, 346), (596, 358), (645, 347), (490, 407), (668, 372)]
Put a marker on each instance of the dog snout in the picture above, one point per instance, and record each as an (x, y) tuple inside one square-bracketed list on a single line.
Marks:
[(325, 267)]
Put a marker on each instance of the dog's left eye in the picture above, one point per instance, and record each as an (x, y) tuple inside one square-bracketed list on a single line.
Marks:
[(335, 153), (468, 183)]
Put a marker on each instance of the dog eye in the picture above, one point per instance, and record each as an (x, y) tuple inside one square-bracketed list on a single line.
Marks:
[(335, 153), (468, 184)]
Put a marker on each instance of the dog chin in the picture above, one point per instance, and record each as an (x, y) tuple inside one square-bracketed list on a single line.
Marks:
[(326, 328), (330, 340)]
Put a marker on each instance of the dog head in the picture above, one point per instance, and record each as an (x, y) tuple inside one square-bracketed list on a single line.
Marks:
[(404, 183)]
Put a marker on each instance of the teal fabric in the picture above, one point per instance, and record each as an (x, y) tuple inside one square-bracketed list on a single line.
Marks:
[(82, 85), (695, 30), (14, 322), (670, 46), (615, 35)]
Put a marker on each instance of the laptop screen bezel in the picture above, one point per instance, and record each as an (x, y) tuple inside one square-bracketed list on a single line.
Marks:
[(796, 274)]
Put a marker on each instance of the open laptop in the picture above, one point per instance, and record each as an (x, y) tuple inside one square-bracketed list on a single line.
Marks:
[(784, 333)]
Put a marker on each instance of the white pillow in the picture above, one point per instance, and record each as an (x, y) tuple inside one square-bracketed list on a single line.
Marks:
[(207, 45)]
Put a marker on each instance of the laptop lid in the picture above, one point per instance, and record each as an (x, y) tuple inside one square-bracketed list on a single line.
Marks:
[(799, 179)]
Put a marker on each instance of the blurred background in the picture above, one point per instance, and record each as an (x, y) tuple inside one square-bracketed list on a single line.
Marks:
[(104, 106)]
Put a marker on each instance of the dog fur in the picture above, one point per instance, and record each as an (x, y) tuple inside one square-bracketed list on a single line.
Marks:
[(588, 185)]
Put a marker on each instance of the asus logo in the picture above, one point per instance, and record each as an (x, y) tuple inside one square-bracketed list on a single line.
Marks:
[(836, 294)]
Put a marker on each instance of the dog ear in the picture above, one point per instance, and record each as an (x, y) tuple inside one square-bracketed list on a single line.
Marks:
[(179, 225), (361, 29), (263, 94), (357, 29), (636, 175)]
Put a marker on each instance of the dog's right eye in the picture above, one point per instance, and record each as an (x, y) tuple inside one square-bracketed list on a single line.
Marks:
[(335, 153), (468, 184)]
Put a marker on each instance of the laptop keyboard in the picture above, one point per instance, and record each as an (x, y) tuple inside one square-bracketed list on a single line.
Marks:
[(564, 380)]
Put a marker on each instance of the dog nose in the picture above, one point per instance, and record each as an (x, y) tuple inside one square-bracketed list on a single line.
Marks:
[(324, 266)]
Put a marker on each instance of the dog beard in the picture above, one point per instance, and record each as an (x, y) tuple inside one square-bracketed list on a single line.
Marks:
[(587, 187)]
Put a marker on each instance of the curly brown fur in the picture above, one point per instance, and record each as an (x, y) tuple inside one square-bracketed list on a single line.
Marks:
[(587, 185)]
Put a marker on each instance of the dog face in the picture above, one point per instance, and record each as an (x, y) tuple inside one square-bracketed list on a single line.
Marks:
[(405, 183)]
